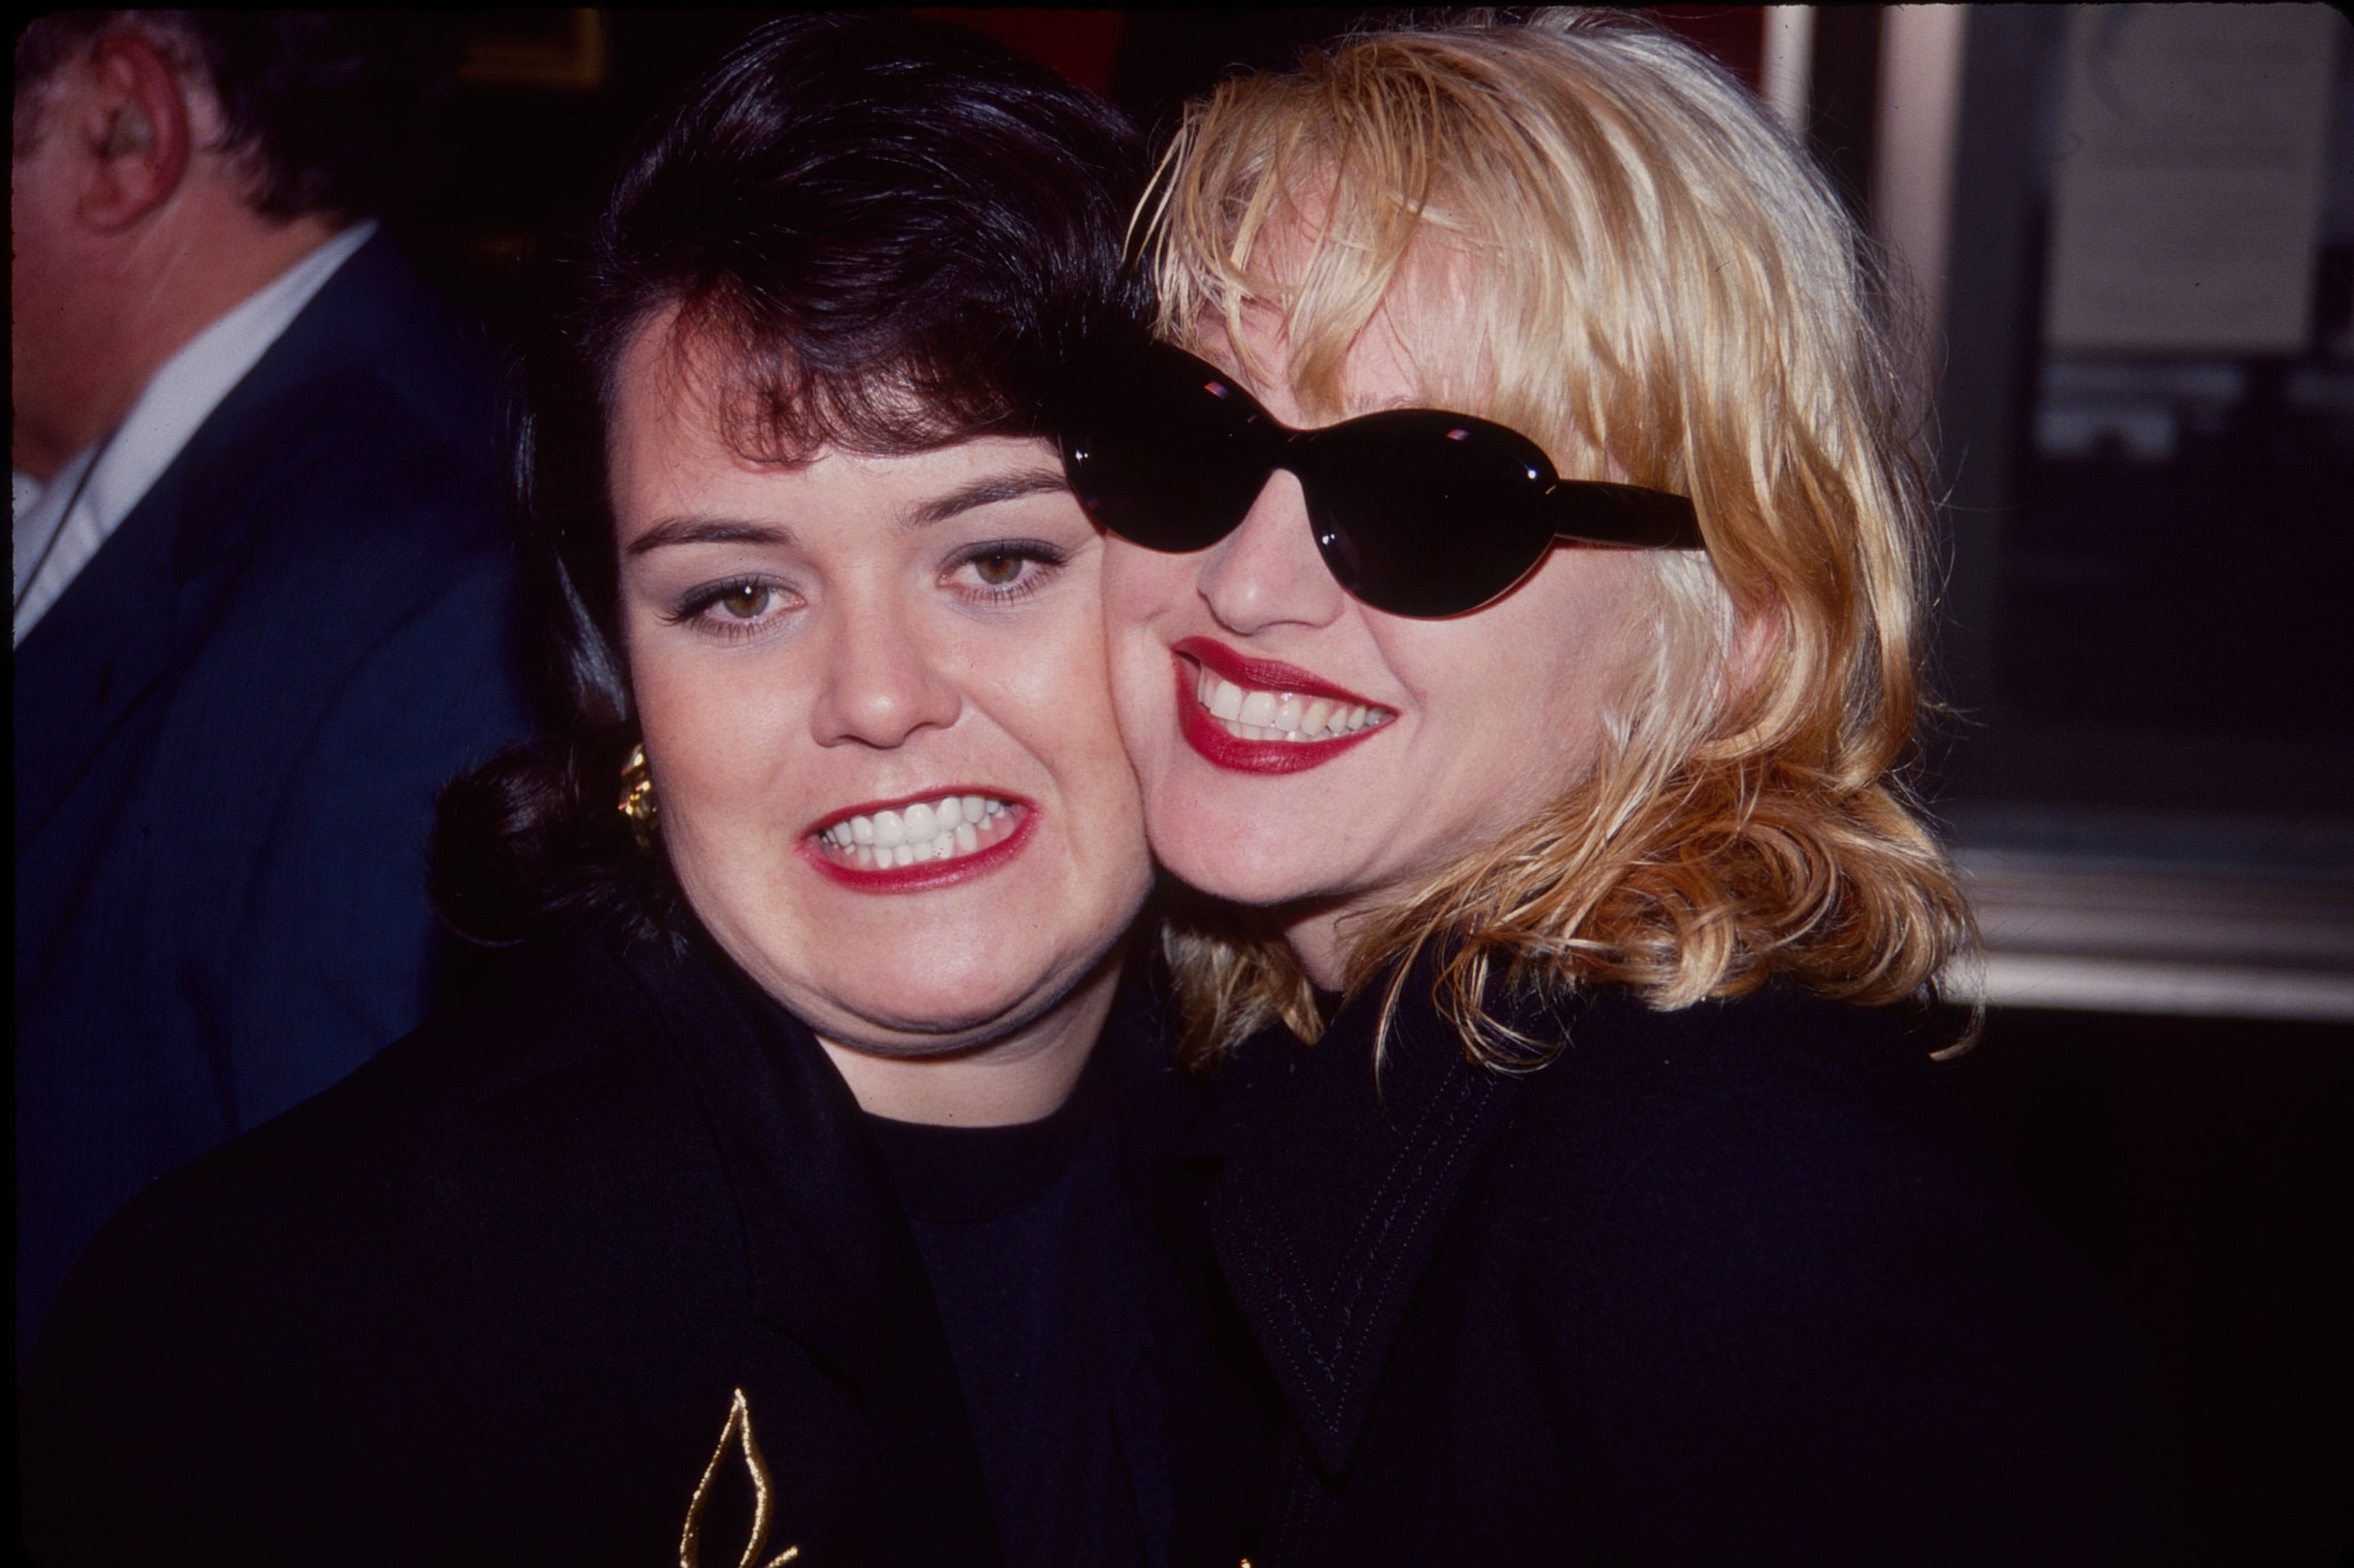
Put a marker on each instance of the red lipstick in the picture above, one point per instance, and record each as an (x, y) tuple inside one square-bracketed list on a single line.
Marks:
[(1264, 674), (1207, 735), (1002, 838)]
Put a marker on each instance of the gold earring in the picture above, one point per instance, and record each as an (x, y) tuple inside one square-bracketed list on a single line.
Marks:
[(638, 795)]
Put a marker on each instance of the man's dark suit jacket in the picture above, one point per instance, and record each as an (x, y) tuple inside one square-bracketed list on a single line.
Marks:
[(493, 1297), (1736, 1284), (228, 732)]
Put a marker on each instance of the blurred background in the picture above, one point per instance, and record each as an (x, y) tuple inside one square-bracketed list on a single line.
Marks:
[(2130, 230)]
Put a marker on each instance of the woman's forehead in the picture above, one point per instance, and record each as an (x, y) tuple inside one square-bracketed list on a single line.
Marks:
[(1418, 347)]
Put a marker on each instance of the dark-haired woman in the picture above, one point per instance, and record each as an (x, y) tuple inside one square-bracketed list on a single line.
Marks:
[(1515, 620), (780, 1201)]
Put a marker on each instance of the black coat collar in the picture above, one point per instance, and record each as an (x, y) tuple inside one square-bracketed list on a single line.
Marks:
[(825, 1243), (817, 1194), (829, 1256), (1337, 1188)]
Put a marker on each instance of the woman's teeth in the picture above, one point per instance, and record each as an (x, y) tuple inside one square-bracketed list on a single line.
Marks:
[(1282, 716), (947, 829)]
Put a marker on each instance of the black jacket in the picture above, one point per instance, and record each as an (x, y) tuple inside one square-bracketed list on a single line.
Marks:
[(228, 731), (1735, 1284), (494, 1299)]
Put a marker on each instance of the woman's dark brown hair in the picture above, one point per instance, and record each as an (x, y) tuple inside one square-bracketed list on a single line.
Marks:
[(895, 230)]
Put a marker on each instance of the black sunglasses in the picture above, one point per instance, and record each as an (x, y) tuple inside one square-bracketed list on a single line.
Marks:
[(1416, 511)]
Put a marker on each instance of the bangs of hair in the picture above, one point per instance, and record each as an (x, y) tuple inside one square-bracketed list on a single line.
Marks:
[(780, 395), (1582, 229)]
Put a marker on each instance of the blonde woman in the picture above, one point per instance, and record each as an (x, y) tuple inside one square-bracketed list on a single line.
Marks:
[(1515, 610)]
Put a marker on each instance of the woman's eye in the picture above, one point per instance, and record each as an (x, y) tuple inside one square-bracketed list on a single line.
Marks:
[(739, 608), (998, 568), (745, 600), (1006, 569)]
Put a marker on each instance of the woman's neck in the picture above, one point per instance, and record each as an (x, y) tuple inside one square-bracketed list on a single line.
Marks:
[(1021, 1076), (1318, 942)]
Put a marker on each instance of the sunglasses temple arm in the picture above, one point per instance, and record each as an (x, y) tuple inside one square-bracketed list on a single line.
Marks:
[(1630, 516)]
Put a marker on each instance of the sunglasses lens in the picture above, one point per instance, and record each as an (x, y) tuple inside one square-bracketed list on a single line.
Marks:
[(1165, 452), (1422, 514)]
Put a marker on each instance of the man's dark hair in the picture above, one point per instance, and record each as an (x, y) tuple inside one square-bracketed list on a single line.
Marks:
[(892, 231), (328, 107)]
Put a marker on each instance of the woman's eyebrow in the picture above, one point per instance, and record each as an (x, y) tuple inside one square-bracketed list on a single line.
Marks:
[(983, 492), (939, 509), (708, 531)]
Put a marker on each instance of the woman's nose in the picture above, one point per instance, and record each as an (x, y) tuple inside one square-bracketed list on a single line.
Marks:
[(881, 683), (1267, 572)]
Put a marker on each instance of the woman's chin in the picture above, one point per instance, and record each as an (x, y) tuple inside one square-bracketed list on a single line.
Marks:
[(922, 1018), (1228, 870)]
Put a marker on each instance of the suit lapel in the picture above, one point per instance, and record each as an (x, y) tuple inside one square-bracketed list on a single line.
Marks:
[(1335, 1193), (95, 656), (131, 615)]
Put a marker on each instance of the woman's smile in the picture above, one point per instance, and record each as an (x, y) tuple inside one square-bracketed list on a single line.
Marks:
[(1258, 715), (917, 843)]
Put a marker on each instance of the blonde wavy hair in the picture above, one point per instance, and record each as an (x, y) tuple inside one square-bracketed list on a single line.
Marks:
[(1604, 243)]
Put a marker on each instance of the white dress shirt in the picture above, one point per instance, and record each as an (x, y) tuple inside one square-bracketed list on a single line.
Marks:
[(61, 525)]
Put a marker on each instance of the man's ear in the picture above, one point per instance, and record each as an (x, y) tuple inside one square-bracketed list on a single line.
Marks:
[(132, 121)]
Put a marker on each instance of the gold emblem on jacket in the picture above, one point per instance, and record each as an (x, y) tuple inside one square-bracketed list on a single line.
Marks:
[(737, 1435)]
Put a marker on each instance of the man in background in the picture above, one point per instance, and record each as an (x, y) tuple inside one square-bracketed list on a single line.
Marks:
[(264, 598)]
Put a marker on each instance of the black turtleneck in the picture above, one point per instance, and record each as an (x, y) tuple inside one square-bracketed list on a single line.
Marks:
[(1035, 1262)]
